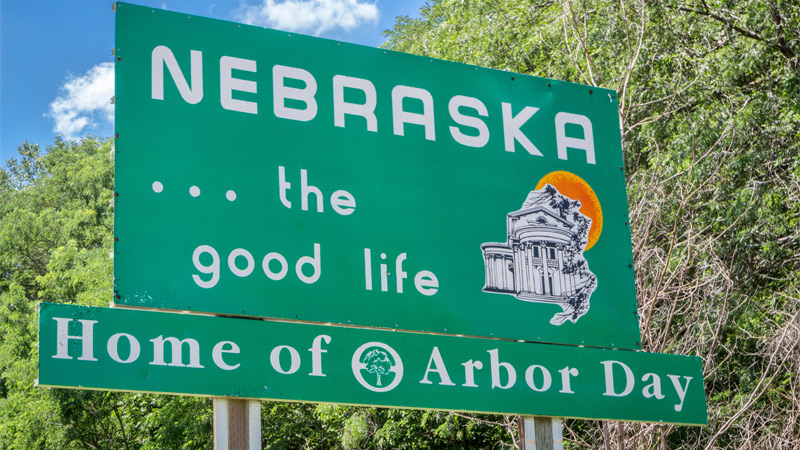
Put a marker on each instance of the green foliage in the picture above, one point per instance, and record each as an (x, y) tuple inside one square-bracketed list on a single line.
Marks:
[(56, 229), (295, 425), (378, 428), (709, 102), (55, 238)]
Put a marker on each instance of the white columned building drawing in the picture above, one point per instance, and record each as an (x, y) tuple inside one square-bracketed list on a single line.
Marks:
[(542, 260)]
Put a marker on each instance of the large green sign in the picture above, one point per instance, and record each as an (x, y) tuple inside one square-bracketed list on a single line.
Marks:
[(105, 348), (264, 173)]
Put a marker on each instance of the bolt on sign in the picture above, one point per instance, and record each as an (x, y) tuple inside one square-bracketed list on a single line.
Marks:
[(151, 351), (269, 174)]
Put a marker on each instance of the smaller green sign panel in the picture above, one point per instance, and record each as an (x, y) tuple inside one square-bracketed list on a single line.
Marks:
[(148, 351)]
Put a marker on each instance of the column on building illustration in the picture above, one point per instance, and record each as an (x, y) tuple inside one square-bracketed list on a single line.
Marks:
[(536, 274), (530, 265), (555, 272), (508, 267), (533, 268), (499, 269)]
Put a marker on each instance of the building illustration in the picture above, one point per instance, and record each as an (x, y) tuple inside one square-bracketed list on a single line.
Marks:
[(542, 260)]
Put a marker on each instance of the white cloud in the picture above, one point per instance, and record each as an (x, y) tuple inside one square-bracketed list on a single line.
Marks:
[(316, 16), (84, 102)]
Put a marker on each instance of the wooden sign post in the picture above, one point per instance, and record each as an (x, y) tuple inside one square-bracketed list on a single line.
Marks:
[(237, 424), (541, 433)]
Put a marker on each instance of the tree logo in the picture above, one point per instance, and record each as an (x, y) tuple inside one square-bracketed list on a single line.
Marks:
[(376, 361)]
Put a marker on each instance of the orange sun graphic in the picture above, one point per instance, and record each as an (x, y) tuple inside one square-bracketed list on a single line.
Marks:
[(574, 187)]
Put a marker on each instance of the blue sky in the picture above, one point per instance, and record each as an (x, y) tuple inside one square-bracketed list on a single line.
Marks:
[(56, 72)]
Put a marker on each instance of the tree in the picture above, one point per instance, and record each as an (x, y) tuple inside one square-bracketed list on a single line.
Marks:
[(710, 115), (709, 103), (55, 236), (377, 362), (55, 240)]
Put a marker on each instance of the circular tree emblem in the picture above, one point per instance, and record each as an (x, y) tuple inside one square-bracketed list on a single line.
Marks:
[(376, 362)]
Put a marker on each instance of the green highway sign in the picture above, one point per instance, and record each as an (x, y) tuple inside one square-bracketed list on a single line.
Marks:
[(268, 174), (148, 351)]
